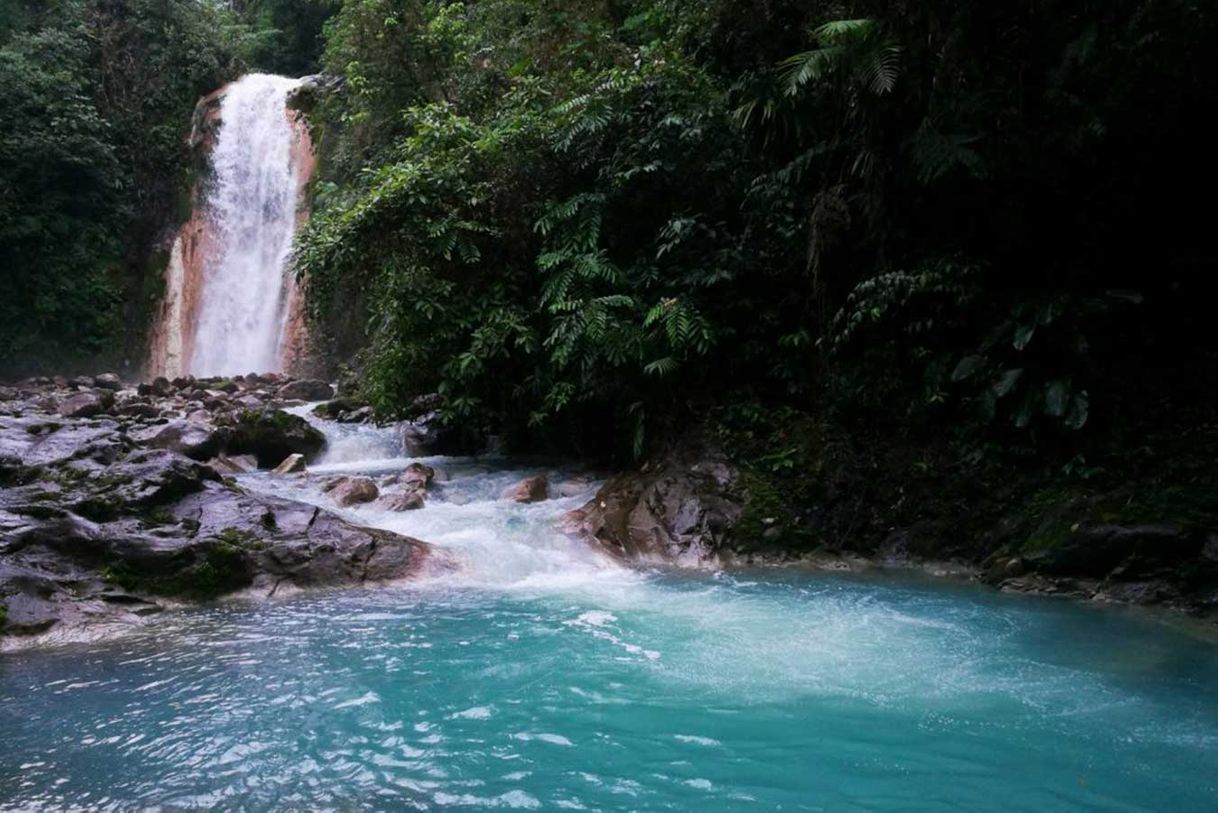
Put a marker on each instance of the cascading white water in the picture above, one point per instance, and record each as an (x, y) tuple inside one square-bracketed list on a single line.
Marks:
[(252, 209)]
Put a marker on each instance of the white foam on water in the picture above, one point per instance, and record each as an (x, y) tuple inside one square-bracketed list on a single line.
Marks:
[(729, 635)]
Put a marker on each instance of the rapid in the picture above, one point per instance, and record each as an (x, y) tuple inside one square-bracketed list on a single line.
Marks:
[(537, 673)]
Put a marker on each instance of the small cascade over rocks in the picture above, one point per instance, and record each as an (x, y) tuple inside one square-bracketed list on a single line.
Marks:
[(230, 304)]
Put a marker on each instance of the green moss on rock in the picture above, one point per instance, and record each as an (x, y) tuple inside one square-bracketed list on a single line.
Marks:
[(216, 566)]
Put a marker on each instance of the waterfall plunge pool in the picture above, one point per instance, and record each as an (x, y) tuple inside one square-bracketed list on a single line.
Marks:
[(717, 692), (541, 675)]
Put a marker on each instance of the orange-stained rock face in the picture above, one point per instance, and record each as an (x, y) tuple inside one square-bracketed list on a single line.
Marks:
[(170, 345), (296, 337)]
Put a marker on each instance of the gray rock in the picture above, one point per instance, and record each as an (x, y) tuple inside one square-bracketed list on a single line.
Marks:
[(331, 410), (85, 404), (191, 438), (96, 527), (360, 415), (108, 381), (140, 410), (271, 435), (306, 389), (100, 442)]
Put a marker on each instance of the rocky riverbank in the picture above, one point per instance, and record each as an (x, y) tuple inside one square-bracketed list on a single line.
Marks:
[(694, 505), (115, 501)]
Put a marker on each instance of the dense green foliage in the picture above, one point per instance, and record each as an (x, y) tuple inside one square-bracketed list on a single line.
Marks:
[(601, 217), (285, 36), (95, 103)]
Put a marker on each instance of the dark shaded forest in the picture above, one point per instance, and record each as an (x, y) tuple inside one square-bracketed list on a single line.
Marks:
[(588, 225)]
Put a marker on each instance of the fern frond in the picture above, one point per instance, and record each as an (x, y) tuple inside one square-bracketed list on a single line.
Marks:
[(836, 30), (882, 69)]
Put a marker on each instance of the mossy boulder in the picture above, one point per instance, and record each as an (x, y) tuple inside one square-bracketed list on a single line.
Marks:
[(271, 435)]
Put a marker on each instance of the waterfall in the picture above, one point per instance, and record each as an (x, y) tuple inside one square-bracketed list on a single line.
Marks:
[(230, 304)]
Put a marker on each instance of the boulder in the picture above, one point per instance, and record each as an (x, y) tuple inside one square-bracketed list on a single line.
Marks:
[(330, 410), (426, 435), (108, 381), (306, 389), (196, 440), (102, 519), (414, 481), (681, 508), (85, 404), (142, 480), (1124, 552), (292, 464), (419, 474), (353, 491), (402, 501), (271, 435), (426, 404), (361, 415), (100, 443), (63, 572), (138, 409), (530, 489)]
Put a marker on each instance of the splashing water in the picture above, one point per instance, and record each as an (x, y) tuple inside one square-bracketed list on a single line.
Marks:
[(542, 675), (252, 206)]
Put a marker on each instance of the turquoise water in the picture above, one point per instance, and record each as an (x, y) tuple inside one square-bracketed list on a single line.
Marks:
[(539, 675), (715, 693)]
